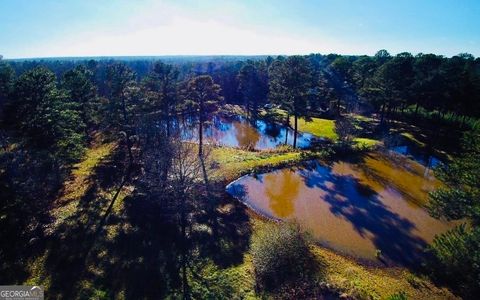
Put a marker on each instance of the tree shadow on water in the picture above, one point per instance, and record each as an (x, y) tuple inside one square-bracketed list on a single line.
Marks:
[(361, 206)]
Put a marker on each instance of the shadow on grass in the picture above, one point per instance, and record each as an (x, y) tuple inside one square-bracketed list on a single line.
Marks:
[(438, 137), (228, 228), (137, 252)]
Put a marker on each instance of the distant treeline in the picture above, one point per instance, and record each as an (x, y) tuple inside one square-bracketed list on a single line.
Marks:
[(381, 82)]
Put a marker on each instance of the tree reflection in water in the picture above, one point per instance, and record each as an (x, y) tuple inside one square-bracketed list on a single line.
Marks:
[(282, 190)]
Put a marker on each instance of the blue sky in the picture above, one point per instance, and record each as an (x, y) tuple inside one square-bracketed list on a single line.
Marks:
[(46, 28)]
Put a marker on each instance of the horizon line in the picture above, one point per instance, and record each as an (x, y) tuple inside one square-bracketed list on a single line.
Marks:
[(207, 55)]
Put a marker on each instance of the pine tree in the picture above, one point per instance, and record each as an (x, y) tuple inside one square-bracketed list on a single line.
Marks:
[(82, 91), (161, 92), (290, 86), (457, 252), (202, 96), (46, 116)]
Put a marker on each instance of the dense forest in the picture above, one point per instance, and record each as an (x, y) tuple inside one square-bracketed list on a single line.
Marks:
[(54, 111), (383, 82)]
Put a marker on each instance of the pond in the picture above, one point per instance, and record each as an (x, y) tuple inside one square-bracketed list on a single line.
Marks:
[(354, 207), (419, 155), (241, 133)]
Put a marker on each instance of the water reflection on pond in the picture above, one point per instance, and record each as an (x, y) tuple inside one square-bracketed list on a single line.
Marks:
[(352, 206), (419, 155), (239, 132)]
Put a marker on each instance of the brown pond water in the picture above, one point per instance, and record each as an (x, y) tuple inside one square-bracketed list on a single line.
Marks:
[(354, 207)]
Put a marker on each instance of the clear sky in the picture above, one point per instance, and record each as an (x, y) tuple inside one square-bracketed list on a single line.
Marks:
[(46, 28)]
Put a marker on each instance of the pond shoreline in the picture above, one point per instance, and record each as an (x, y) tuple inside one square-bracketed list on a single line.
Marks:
[(301, 165), (261, 215)]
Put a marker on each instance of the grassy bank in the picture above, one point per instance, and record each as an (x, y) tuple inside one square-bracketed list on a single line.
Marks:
[(325, 128), (320, 127), (230, 163)]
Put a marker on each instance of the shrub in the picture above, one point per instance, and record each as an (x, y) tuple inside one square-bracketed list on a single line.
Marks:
[(457, 259), (281, 256), (398, 296)]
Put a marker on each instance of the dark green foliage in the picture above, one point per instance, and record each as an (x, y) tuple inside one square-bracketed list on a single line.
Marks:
[(44, 136), (46, 116), (461, 198), (363, 68), (343, 66), (457, 252), (32, 89), (161, 87), (291, 86), (253, 86), (66, 129), (428, 80), (382, 56), (124, 102), (28, 180), (345, 129), (160, 93), (461, 84), (119, 77), (443, 85), (6, 82), (82, 91), (388, 84), (290, 83), (457, 258), (388, 88), (281, 256), (201, 98)]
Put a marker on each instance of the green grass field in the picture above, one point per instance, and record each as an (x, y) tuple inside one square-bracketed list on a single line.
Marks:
[(319, 127)]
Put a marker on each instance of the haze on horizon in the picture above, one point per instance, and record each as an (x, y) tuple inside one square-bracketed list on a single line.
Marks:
[(77, 28)]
